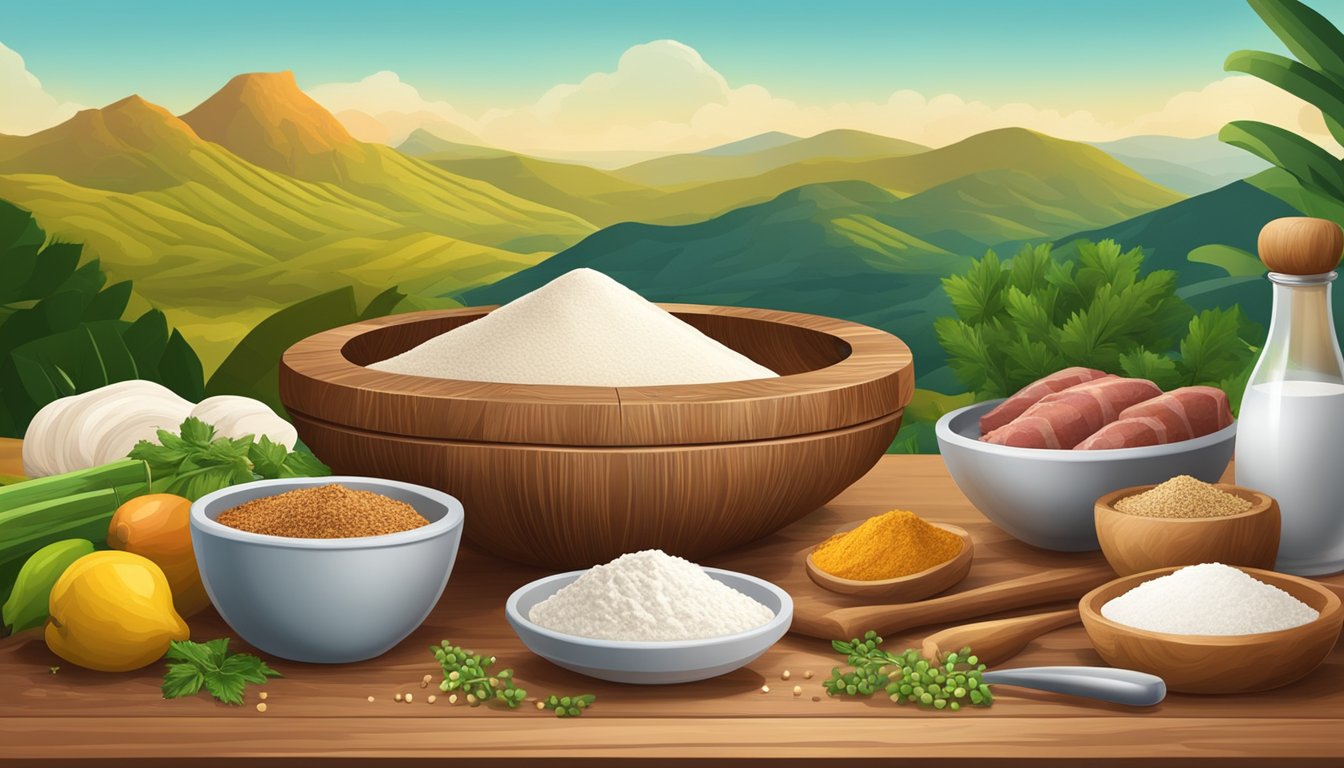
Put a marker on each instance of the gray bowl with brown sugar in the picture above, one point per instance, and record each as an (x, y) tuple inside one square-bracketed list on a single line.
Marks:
[(326, 600)]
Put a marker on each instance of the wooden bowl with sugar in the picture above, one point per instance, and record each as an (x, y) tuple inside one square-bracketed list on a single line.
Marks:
[(1135, 543), (571, 476), (1217, 663)]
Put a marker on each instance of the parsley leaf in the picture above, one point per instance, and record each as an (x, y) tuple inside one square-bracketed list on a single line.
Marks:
[(195, 462), (224, 675)]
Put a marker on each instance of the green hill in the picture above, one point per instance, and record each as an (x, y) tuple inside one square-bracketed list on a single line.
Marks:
[(218, 242), (764, 154)]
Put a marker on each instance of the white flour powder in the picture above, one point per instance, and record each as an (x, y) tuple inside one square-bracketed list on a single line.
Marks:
[(649, 595), (582, 328), (1209, 599)]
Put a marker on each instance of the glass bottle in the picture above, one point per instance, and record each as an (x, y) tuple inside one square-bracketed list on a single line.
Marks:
[(1290, 430)]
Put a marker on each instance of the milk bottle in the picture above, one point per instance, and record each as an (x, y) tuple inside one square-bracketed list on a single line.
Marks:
[(1290, 429)]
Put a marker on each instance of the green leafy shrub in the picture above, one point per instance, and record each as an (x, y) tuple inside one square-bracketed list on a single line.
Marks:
[(1034, 314), (62, 332)]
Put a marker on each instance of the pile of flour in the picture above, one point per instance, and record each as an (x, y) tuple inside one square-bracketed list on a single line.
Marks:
[(582, 328), (649, 595), (1209, 599)]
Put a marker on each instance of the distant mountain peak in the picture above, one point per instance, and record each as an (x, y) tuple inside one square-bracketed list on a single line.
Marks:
[(265, 118)]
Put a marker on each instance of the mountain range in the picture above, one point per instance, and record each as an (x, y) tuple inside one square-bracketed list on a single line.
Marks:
[(259, 197)]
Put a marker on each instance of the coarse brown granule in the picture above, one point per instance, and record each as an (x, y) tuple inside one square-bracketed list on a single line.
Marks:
[(1183, 496), (323, 512)]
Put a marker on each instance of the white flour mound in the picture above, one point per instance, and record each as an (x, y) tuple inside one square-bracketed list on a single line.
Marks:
[(1208, 599), (649, 595), (582, 328)]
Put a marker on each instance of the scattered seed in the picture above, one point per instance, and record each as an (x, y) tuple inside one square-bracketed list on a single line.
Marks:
[(471, 698), (370, 699), (408, 698), (424, 681), (807, 675), (816, 698), (797, 690), (261, 706), (452, 699), (397, 697), (432, 698), (541, 705), (262, 695), (765, 689), (786, 675)]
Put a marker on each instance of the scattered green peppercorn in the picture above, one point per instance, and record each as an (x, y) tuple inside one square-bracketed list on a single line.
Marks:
[(906, 677), (467, 672)]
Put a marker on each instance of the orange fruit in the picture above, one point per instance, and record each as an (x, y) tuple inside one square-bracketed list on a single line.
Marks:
[(157, 527)]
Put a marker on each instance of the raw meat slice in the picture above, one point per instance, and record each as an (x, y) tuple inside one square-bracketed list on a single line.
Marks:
[(1064, 419), (1181, 414), (1029, 395)]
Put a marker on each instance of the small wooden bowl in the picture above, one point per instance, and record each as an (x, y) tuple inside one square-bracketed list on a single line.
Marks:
[(904, 589), (1217, 663), (566, 477), (1134, 543)]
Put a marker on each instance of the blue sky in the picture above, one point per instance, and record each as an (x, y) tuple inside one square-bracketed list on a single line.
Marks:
[(1066, 55)]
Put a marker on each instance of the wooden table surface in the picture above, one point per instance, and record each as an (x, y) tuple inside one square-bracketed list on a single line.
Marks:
[(323, 712)]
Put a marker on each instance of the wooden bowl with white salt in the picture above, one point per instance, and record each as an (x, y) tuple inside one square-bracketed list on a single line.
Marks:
[(571, 476)]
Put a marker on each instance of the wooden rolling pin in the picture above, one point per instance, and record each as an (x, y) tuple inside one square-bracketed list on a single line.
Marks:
[(994, 642), (1051, 586)]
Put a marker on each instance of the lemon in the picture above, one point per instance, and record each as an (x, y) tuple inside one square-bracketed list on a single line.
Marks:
[(113, 612)]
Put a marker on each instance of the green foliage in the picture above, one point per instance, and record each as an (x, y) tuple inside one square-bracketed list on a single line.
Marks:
[(1317, 77), (1034, 314), (224, 675), (252, 368), (62, 332)]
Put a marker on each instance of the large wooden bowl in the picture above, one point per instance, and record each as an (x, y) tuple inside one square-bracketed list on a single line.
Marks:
[(1134, 543), (1217, 663), (567, 477)]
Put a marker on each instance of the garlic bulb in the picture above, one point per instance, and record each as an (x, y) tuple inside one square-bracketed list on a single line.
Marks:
[(102, 426)]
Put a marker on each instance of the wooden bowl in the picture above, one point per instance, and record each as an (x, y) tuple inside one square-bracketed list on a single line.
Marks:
[(1217, 663), (1134, 543), (904, 589), (566, 477)]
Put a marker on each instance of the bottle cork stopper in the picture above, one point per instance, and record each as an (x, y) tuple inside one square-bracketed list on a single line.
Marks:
[(1299, 245)]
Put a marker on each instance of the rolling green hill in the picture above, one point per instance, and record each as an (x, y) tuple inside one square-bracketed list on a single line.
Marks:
[(765, 154), (218, 242)]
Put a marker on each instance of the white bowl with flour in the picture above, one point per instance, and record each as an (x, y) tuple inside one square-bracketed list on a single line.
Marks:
[(651, 662)]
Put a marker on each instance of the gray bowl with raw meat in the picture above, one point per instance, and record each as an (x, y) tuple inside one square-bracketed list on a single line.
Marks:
[(1045, 497)]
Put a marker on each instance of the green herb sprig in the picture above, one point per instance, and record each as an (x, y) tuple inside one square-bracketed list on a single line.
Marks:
[(470, 673), (194, 462), (567, 706), (908, 677), (224, 675)]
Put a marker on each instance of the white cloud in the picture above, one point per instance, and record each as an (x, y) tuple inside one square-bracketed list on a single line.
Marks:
[(382, 97), (664, 96), (28, 108)]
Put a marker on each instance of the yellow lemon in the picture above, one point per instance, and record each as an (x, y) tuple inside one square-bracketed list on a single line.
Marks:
[(113, 612)]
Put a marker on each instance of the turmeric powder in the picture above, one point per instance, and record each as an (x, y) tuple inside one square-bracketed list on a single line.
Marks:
[(888, 546)]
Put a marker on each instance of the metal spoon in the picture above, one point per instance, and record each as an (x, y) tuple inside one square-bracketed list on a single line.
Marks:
[(1118, 686)]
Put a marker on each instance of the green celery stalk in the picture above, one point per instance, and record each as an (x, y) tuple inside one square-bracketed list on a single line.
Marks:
[(128, 474), (34, 520)]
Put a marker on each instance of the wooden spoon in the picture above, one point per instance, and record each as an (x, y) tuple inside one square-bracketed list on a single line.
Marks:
[(994, 642), (1048, 586), (904, 589)]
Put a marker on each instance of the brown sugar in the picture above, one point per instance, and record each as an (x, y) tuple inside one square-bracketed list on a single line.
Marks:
[(323, 512), (1183, 496)]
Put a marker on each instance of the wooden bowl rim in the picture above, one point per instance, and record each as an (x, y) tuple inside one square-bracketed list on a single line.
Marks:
[(1261, 503), (864, 342), (966, 552), (1329, 613)]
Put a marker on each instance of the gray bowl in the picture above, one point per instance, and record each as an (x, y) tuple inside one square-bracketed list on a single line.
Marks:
[(1046, 497), (328, 601), (651, 663)]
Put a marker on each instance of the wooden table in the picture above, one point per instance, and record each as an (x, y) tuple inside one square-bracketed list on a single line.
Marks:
[(76, 715)]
